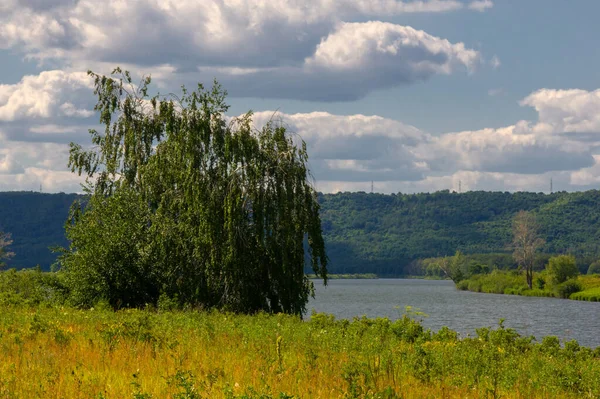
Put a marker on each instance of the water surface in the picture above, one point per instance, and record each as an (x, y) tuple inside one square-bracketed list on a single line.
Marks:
[(462, 311)]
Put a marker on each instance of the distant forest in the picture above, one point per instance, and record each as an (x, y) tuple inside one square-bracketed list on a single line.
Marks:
[(364, 232)]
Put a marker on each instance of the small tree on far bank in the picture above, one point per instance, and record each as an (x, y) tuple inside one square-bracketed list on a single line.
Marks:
[(526, 242), (5, 254), (454, 267), (562, 268)]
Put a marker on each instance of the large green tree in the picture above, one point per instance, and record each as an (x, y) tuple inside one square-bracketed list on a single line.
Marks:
[(184, 203)]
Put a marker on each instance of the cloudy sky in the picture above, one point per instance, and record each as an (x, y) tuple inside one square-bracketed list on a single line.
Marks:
[(414, 95)]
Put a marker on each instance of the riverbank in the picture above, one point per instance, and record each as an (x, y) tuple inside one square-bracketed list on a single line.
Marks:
[(358, 276), (583, 287), (57, 352)]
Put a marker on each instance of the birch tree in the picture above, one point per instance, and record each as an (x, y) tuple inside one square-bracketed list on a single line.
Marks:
[(184, 203)]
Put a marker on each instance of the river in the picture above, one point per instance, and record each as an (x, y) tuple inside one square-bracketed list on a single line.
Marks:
[(461, 311)]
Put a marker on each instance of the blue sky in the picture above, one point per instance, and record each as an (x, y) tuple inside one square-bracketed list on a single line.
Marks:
[(414, 96)]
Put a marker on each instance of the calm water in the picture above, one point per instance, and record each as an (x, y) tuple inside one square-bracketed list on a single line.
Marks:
[(461, 311)]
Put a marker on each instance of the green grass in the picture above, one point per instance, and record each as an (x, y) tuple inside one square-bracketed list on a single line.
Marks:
[(513, 283), (55, 352), (50, 350), (592, 295)]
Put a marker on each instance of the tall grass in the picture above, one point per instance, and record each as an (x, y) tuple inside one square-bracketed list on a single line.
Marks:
[(54, 352)]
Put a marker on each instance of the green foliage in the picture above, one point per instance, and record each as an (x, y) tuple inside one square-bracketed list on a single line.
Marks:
[(185, 205), (497, 282), (594, 268), (403, 228), (567, 288), (561, 268), (31, 287), (592, 295), (407, 227), (585, 288)]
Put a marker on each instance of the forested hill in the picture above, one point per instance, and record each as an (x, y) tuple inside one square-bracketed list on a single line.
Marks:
[(36, 222), (375, 233), (365, 233)]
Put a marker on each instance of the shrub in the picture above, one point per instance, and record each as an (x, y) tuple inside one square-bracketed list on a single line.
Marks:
[(561, 268), (31, 287), (569, 287), (594, 268), (592, 295)]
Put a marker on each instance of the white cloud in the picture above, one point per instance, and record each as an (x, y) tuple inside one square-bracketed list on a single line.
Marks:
[(389, 47), (587, 176), (567, 110), (40, 114), (355, 147), (258, 48), (352, 61), (9, 165), (481, 5), (216, 27), (513, 149), (27, 165), (50, 94)]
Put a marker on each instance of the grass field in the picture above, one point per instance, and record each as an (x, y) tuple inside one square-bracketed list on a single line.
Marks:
[(53, 352)]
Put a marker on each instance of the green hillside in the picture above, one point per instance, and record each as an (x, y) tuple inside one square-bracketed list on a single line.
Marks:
[(36, 222), (366, 233), (375, 233)]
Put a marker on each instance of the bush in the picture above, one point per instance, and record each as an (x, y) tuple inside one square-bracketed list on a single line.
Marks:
[(569, 287), (592, 295), (594, 268), (561, 268), (31, 287)]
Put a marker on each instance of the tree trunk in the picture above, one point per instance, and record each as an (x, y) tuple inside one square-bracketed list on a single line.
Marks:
[(529, 273)]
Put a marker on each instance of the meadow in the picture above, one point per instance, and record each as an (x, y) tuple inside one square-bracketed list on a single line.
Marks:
[(61, 352)]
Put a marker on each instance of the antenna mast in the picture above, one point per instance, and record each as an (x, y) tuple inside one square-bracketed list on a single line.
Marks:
[(459, 186), (551, 186), (371, 186)]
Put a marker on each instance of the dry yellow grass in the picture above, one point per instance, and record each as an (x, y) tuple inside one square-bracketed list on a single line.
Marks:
[(67, 353)]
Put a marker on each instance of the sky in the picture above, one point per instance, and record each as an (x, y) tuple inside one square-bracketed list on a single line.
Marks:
[(402, 96)]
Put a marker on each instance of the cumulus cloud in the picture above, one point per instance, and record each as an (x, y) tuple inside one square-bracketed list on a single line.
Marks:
[(51, 94), (355, 147), (40, 114), (513, 149), (353, 60), (587, 176), (260, 48), (481, 5), (412, 53), (216, 32), (27, 165), (567, 110)]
